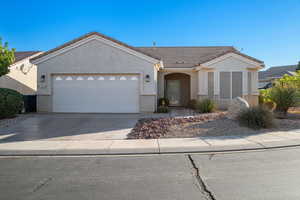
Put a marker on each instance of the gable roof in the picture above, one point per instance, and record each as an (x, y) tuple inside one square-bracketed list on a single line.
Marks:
[(178, 57), (277, 72), (86, 36), (20, 55), (187, 57)]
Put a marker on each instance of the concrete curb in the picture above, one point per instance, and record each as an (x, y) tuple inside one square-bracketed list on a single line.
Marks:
[(152, 146), (94, 153)]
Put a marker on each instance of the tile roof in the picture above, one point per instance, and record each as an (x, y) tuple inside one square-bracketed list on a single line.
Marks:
[(86, 36), (171, 56), (277, 72), (20, 55), (186, 57)]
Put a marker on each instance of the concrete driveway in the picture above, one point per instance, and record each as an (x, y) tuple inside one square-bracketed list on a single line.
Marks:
[(69, 127)]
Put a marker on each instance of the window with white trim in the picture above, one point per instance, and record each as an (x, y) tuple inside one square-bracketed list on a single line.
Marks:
[(231, 84)]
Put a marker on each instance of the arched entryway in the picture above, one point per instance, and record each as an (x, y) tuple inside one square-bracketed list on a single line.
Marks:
[(178, 89)]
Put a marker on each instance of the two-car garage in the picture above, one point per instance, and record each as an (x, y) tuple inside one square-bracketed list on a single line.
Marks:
[(96, 93), (96, 74)]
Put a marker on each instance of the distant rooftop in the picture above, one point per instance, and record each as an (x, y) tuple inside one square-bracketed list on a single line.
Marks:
[(277, 72)]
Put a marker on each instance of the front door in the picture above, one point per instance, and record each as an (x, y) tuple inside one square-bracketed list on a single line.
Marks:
[(173, 92)]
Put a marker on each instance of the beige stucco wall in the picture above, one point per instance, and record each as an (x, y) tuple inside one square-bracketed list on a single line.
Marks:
[(44, 103), (22, 78), (146, 103), (193, 79), (96, 57)]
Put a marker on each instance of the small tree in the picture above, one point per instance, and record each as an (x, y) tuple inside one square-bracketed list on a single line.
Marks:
[(7, 57), (289, 81)]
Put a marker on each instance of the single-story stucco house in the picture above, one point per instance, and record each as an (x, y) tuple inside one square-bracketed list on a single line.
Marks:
[(23, 74), (97, 74)]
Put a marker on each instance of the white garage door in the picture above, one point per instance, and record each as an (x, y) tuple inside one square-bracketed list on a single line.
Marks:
[(96, 93)]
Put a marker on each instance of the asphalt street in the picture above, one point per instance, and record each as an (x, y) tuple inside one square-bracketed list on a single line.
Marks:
[(272, 174)]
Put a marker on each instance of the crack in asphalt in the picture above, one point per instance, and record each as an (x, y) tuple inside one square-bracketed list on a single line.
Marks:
[(201, 183), (41, 184)]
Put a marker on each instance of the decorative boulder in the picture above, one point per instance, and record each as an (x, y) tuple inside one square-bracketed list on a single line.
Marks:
[(237, 105)]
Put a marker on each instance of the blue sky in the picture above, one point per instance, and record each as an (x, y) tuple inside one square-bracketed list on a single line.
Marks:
[(266, 29)]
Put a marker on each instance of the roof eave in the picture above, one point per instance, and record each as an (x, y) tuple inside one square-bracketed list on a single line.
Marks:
[(28, 57), (39, 58)]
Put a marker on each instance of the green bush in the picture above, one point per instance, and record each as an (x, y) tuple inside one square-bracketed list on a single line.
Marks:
[(163, 102), (256, 117), (205, 106), (162, 109), (264, 99), (263, 96), (192, 104), (284, 98), (11, 103)]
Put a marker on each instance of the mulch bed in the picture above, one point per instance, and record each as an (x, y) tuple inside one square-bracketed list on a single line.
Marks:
[(159, 127)]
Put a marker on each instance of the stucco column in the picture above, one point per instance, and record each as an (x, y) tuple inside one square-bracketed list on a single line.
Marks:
[(161, 84), (202, 83), (255, 83)]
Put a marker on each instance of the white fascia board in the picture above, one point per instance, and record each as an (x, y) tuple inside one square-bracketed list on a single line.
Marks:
[(101, 39), (161, 65), (256, 65)]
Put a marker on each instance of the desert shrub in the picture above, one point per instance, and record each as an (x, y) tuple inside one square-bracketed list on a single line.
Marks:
[(205, 106), (192, 104), (264, 96), (284, 98), (163, 102), (162, 109), (256, 117), (264, 99), (11, 103)]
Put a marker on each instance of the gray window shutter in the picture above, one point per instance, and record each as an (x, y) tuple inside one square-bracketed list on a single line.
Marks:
[(211, 85), (237, 84), (249, 82), (225, 85)]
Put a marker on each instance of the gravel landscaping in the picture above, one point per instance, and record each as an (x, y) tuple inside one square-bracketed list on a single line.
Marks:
[(160, 127), (214, 124)]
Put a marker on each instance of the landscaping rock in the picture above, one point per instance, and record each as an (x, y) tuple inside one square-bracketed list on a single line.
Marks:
[(237, 105), (157, 128)]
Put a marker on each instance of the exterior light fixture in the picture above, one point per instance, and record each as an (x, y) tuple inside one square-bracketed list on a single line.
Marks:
[(43, 78), (147, 78)]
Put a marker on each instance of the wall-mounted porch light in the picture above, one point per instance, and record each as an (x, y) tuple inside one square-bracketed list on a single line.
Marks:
[(147, 78), (43, 78)]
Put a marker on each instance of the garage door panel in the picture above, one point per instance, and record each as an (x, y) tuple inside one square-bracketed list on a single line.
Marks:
[(102, 93)]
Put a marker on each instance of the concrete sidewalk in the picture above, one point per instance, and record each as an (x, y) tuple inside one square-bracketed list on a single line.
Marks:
[(151, 146)]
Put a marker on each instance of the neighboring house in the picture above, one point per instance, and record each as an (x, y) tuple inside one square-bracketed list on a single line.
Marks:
[(95, 73), (268, 76), (22, 75)]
